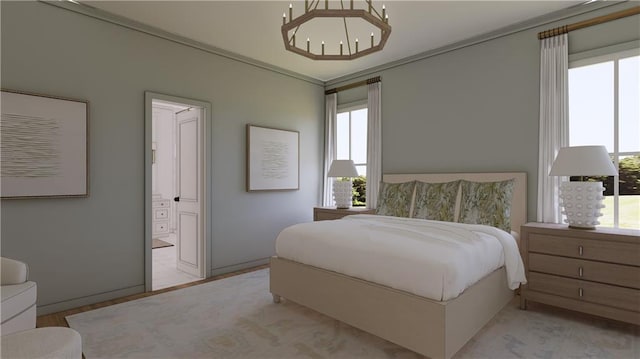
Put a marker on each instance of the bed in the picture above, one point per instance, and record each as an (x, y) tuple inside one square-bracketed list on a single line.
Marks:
[(434, 328)]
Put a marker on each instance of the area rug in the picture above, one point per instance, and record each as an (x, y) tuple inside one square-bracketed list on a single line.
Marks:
[(159, 243), (236, 318)]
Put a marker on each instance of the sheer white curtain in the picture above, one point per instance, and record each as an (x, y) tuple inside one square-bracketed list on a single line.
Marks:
[(374, 142), (554, 122), (331, 113)]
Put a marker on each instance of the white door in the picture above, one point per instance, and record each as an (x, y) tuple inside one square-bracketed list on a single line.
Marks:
[(190, 194)]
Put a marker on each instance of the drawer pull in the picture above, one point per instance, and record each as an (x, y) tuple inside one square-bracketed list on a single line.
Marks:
[(580, 292), (580, 272), (580, 250)]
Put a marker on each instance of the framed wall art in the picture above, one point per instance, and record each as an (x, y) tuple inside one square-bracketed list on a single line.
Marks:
[(272, 159), (43, 148)]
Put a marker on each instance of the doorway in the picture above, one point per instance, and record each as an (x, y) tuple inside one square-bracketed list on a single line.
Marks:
[(176, 186)]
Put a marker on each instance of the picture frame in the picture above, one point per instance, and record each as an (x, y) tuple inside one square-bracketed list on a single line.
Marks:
[(273, 159), (44, 146)]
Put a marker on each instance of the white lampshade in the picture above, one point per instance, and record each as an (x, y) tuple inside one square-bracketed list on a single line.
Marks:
[(342, 168), (583, 161)]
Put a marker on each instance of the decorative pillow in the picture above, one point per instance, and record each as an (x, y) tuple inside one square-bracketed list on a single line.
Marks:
[(436, 201), (487, 203), (394, 199)]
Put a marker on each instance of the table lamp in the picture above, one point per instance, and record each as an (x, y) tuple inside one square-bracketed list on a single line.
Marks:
[(342, 188), (581, 200)]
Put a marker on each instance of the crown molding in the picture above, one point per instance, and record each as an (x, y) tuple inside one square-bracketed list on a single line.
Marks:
[(505, 31), (559, 15), (99, 14)]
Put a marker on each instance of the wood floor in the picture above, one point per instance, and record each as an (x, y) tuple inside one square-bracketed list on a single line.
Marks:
[(58, 319)]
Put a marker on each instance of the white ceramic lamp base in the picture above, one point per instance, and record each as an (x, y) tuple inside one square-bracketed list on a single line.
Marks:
[(581, 203), (342, 193)]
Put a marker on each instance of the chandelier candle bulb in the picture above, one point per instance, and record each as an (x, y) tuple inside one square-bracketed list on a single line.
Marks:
[(340, 47), (290, 12), (384, 11), (284, 18), (372, 39), (356, 45), (307, 44), (323, 47), (386, 19)]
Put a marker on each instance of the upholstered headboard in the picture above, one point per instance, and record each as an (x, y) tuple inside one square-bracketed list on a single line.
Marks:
[(519, 200)]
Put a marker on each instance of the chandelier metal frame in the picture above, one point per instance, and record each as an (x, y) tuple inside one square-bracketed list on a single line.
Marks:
[(381, 21)]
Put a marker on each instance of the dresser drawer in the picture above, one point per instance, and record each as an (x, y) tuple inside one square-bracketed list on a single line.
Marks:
[(161, 227), (325, 216), (164, 203), (161, 214), (601, 250), (619, 297), (327, 213), (607, 273)]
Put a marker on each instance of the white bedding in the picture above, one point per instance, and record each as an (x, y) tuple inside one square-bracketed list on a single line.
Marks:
[(433, 259)]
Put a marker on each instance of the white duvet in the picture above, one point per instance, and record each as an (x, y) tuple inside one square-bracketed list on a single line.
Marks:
[(433, 259)]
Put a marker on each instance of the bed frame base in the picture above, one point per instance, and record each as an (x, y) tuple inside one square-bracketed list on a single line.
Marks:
[(432, 328)]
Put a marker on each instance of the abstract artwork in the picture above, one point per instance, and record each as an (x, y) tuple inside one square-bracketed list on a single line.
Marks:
[(43, 146), (272, 159)]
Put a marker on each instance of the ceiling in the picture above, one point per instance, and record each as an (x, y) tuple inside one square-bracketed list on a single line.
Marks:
[(252, 28)]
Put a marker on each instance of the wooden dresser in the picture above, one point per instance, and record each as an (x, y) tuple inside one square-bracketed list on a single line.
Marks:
[(591, 271), (327, 213)]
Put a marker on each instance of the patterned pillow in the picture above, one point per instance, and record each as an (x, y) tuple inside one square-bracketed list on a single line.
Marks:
[(487, 203), (395, 199), (436, 201)]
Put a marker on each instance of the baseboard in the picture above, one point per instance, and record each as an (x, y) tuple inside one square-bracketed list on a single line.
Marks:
[(241, 266), (91, 299)]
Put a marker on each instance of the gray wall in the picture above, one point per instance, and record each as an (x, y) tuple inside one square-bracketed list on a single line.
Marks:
[(89, 249), (475, 109)]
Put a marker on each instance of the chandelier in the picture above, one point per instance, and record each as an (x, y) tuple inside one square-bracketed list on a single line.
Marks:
[(379, 22)]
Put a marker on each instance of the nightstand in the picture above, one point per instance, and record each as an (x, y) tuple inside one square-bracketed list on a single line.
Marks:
[(327, 213), (592, 271)]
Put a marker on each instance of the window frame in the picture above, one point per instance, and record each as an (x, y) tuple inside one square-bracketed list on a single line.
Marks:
[(349, 107), (597, 56)]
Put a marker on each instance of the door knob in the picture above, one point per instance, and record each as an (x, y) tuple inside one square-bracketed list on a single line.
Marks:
[(177, 199)]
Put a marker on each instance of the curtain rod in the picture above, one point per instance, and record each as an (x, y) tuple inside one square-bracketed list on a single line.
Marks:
[(586, 23), (353, 85)]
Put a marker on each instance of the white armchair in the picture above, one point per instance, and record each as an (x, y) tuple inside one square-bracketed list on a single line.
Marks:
[(18, 297)]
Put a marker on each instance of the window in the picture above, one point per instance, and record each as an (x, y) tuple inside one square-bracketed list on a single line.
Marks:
[(604, 109), (351, 143)]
